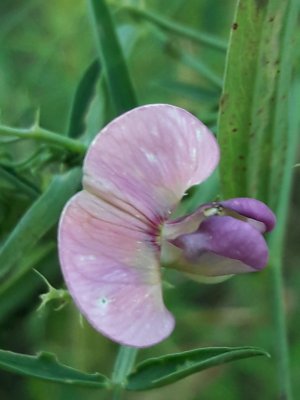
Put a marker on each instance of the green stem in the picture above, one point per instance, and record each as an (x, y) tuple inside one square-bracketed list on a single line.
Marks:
[(175, 27), (19, 182), (290, 140), (277, 247), (280, 325), (123, 366), (204, 70), (45, 136)]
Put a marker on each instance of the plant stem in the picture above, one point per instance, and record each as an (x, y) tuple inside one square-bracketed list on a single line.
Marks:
[(19, 182), (282, 348), (123, 366), (277, 247), (181, 30), (282, 207), (43, 135), (204, 70), (280, 342)]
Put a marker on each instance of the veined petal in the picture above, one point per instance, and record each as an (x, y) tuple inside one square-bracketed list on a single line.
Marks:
[(221, 246), (111, 267), (144, 160)]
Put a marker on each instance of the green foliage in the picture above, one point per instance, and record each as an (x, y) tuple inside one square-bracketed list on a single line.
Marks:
[(161, 371), (253, 127), (20, 286), (150, 374), (12, 178), (178, 29), (82, 99), (46, 366), (172, 52), (38, 220), (258, 142), (111, 57), (58, 295)]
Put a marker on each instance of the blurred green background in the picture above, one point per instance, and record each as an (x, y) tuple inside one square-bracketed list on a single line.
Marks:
[(45, 47)]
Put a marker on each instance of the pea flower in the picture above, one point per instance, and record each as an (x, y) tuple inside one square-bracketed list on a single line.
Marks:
[(112, 233)]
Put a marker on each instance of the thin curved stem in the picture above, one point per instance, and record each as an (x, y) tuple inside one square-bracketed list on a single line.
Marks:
[(45, 136), (204, 70), (277, 248), (176, 28), (19, 182)]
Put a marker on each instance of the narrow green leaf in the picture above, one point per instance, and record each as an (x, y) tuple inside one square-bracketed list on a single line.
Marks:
[(82, 99), (40, 217), (256, 136), (178, 29), (18, 182), (161, 371), (247, 104), (111, 58), (29, 161), (46, 366), (100, 112)]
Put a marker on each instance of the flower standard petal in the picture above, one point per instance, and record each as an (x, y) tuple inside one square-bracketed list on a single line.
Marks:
[(110, 265), (144, 160)]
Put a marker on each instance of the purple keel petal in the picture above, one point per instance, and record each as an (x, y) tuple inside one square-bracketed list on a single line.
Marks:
[(253, 209), (110, 266), (222, 245), (146, 159)]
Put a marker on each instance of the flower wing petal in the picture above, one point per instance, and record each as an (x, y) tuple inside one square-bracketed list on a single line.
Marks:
[(222, 246), (111, 267), (144, 160)]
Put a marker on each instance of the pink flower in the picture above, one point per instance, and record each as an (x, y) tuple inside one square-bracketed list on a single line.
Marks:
[(111, 233)]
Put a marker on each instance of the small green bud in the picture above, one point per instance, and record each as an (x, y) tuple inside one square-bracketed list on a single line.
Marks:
[(61, 295)]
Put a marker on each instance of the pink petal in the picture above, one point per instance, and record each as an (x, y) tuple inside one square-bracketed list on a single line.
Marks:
[(144, 160), (111, 267)]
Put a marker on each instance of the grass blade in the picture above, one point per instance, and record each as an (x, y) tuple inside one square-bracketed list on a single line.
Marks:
[(111, 58), (178, 29), (18, 182), (40, 217), (82, 99)]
